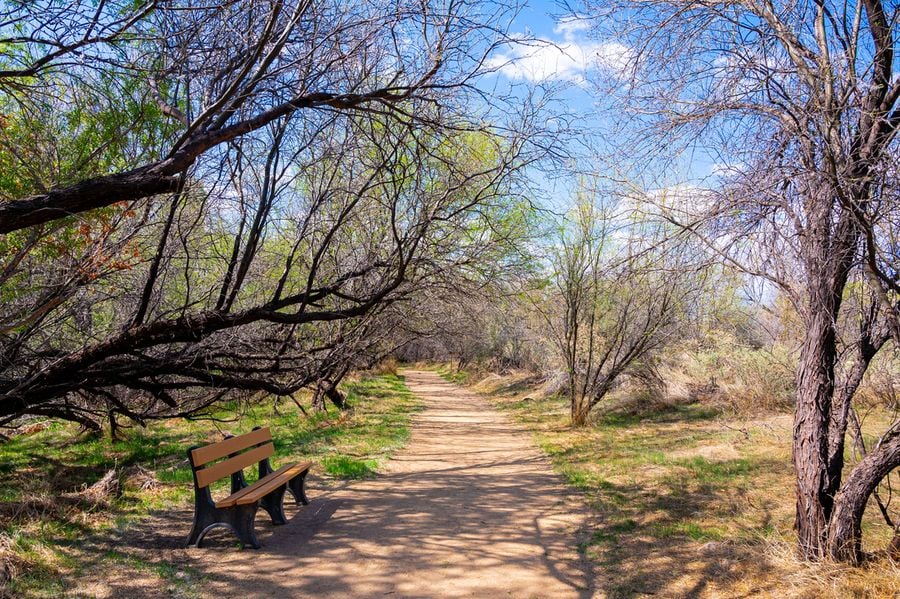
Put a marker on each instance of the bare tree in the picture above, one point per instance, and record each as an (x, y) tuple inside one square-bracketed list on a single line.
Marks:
[(287, 235), (616, 299), (800, 101)]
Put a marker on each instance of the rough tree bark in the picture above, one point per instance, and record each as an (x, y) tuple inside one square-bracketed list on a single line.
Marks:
[(326, 389), (845, 531), (828, 259)]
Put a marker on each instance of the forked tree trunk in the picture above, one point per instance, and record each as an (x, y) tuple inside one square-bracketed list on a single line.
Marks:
[(330, 390), (845, 532), (579, 414), (579, 405), (326, 389)]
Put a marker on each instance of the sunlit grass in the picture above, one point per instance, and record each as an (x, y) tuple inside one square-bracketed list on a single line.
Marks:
[(38, 528), (685, 497)]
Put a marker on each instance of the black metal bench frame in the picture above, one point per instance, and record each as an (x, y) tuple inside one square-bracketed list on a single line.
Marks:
[(240, 519)]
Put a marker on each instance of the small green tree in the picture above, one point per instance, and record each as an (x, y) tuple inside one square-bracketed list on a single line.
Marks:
[(615, 299)]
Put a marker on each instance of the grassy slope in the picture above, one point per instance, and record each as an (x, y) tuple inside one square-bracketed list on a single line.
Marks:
[(40, 534), (688, 502)]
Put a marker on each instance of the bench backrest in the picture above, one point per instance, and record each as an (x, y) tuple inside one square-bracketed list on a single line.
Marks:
[(241, 451)]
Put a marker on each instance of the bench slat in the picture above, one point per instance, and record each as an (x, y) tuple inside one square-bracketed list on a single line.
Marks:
[(211, 474), (208, 453), (264, 486)]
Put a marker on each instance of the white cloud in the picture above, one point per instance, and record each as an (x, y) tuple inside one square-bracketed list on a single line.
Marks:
[(569, 26), (726, 169), (681, 201), (571, 59)]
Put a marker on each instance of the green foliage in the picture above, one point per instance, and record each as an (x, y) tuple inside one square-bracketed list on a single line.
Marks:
[(71, 132)]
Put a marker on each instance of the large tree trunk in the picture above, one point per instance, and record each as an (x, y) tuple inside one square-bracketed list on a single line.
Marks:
[(815, 388), (845, 532), (828, 259)]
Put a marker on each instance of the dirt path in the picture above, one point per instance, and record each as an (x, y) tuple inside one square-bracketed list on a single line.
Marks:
[(469, 508)]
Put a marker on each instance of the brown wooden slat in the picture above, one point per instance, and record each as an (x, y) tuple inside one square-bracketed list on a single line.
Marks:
[(211, 474), (264, 486), (214, 451)]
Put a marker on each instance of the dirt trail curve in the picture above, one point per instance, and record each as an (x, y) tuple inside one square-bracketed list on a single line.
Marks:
[(470, 508)]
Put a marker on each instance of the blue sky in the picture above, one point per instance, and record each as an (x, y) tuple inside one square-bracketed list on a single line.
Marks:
[(567, 55), (562, 54)]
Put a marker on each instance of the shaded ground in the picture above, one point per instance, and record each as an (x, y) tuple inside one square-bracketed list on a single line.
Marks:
[(469, 509), (61, 537)]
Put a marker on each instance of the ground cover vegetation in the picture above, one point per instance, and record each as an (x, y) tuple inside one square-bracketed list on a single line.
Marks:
[(68, 499)]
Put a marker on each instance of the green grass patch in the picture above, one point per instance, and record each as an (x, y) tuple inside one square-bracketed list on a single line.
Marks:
[(691, 530), (57, 460), (346, 467), (680, 413), (451, 374)]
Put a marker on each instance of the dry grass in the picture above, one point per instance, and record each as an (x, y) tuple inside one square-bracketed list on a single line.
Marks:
[(690, 501), (388, 366)]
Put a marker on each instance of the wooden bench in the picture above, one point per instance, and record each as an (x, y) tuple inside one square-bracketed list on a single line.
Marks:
[(238, 510)]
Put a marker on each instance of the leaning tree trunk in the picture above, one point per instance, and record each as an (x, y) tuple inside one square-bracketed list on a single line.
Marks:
[(327, 389), (845, 531)]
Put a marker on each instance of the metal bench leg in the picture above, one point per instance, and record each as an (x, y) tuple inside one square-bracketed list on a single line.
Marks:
[(202, 523), (239, 519), (243, 521), (274, 504), (205, 516), (296, 487)]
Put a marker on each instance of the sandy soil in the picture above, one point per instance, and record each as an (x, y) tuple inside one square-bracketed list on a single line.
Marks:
[(470, 508)]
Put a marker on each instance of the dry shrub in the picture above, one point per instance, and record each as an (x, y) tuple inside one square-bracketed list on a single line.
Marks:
[(388, 366), (11, 564), (101, 491), (31, 428), (557, 383), (881, 386), (139, 478), (726, 373), (877, 577)]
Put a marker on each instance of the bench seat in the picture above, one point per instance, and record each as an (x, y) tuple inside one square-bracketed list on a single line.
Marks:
[(264, 486)]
